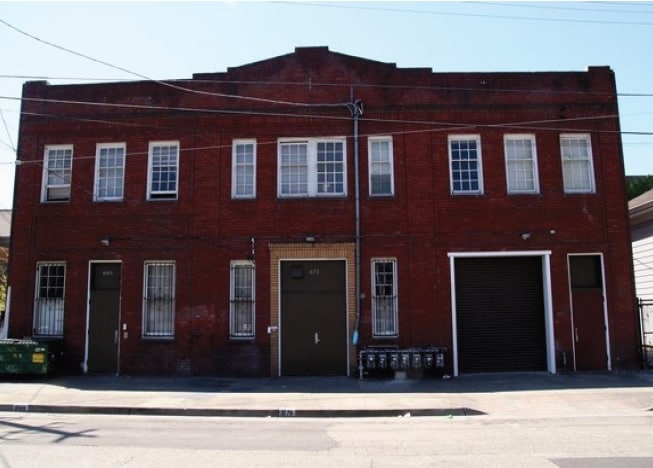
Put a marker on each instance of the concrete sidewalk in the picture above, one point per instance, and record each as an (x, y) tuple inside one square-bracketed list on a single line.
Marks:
[(523, 394)]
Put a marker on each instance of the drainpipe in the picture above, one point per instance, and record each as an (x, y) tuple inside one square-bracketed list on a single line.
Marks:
[(356, 109)]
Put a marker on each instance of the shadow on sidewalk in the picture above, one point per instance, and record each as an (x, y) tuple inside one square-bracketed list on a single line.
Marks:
[(477, 383)]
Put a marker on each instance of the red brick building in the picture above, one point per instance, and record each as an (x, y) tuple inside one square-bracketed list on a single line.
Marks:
[(279, 217)]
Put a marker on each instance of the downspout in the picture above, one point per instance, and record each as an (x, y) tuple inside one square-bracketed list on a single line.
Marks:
[(356, 109)]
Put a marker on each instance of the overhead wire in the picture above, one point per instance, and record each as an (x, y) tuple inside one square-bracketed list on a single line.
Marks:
[(468, 15), (163, 83)]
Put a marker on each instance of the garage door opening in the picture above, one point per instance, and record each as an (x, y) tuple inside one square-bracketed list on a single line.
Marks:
[(501, 313)]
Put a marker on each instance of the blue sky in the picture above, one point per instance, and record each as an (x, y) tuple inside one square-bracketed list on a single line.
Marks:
[(176, 39)]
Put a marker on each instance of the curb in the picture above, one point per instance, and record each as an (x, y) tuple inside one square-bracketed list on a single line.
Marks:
[(239, 413)]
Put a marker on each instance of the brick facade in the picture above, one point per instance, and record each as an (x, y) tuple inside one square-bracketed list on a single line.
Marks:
[(203, 228)]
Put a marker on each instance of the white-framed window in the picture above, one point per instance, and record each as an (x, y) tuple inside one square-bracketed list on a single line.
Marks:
[(159, 299), (109, 171), (242, 300), (163, 170), (521, 163), (243, 175), (312, 168), (49, 299), (384, 297), (381, 168), (57, 173), (466, 167), (577, 167)]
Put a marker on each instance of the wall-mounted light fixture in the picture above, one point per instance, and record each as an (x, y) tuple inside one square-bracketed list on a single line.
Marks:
[(525, 235), (105, 241), (310, 239)]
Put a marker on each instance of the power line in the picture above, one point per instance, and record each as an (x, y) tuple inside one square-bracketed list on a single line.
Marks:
[(356, 85), (163, 83), (443, 127), (471, 15), (547, 6), (11, 143)]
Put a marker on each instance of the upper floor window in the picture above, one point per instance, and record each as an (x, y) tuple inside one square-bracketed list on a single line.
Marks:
[(384, 298), (241, 310), (465, 164), (381, 166), (49, 301), (163, 170), (577, 171), (243, 176), (521, 164), (159, 300), (57, 173), (310, 168), (109, 171)]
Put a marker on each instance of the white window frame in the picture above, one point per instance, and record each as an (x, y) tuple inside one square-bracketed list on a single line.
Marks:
[(49, 310), (154, 326), (313, 187), (569, 184), (513, 170), (237, 176), (162, 194), (479, 164), (240, 328), (375, 166), (65, 183), (388, 327), (100, 147)]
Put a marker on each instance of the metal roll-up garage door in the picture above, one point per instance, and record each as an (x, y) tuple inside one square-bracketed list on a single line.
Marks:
[(500, 314)]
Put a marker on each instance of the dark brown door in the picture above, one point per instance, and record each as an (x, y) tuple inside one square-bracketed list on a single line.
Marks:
[(313, 318), (587, 307), (104, 316)]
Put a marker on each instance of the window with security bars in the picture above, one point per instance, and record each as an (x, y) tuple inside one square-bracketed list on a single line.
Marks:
[(521, 164), (466, 169), (312, 168), (384, 298), (49, 306), (577, 171), (242, 301), (163, 170), (57, 173), (159, 300), (109, 172), (243, 182), (380, 167)]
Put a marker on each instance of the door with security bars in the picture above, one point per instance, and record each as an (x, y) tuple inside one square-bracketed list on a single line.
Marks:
[(313, 318)]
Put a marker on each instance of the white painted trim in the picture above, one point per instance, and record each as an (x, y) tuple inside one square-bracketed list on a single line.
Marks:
[(590, 159), (380, 139), (232, 288), (454, 322), (236, 143), (395, 291), (536, 182), (548, 299), (98, 148), (44, 176), (466, 136), (311, 166), (150, 154)]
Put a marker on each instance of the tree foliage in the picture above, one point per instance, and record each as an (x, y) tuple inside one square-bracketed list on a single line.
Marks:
[(638, 185)]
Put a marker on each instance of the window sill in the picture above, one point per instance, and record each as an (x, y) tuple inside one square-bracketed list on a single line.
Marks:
[(158, 338)]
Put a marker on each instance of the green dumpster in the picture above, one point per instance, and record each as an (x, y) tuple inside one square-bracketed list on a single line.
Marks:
[(29, 356)]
